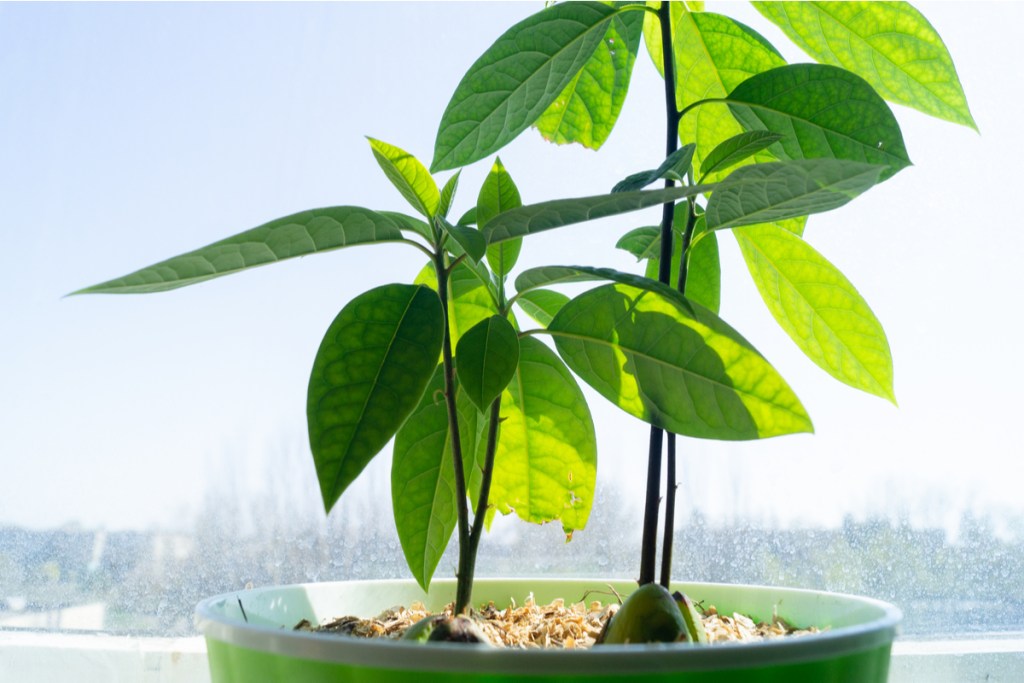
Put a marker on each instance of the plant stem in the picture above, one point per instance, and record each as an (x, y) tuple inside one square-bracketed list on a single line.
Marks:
[(670, 512), (648, 548), (467, 562), (670, 468), (464, 584)]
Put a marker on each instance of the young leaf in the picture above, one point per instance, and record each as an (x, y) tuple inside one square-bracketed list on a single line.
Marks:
[(674, 365), (369, 373), (471, 296), (469, 239), (448, 195), (517, 79), (423, 479), (534, 218), (824, 112), (408, 175), (889, 44), (545, 467), (763, 193), (704, 270), (674, 168), (586, 111), (410, 224), (498, 194), (818, 308), (423, 494), (714, 54), (308, 232), (736, 149), (542, 304), (486, 359), (644, 243)]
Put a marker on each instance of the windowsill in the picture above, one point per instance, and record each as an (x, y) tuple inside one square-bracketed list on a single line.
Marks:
[(32, 656)]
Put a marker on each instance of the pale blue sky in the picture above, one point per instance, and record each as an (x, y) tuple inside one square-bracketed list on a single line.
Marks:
[(133, 132)]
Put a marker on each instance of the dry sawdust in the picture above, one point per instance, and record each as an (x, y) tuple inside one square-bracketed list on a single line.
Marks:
[(555, 625)]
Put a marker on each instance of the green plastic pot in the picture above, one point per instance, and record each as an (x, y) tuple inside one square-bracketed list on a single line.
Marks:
[(261, 645)]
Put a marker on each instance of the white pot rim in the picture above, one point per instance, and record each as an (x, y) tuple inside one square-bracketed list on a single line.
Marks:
[(219, 619)]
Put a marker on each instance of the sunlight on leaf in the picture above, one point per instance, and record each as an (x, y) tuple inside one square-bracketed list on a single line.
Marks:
[(889, 44)]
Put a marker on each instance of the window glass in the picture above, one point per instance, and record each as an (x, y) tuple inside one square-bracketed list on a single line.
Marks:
[(153, 447)]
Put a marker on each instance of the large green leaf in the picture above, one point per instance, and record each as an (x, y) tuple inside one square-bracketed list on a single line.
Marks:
[(818, 308), (714, 54), (545, 466), (821, 112), (498, 194), (486, 359), (675, 365), (542, 304), (423, 495), (652, 28), (775, 191), (408, 175), (586, 111), (534, 218), (299, 234), (470, 296), (889, 44), (368, 376), (517, 79)]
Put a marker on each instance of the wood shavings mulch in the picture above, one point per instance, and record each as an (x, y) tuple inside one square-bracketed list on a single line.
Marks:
[(555, 625)]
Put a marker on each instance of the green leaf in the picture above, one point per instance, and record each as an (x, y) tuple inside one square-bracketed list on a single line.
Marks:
[(542, 304), (468, 218), (498, 194), (818, 308), (545, 466), (674, 365), (714, 54), (736, 149), (368, 376), (423, 479), (408, 175), (889, 44), (652, 28), (674, 167), (704, 269), (823, 112), (556, 275), (517, 79), (644, 243), (486, 359), (448, 195), (763, 193), (534, 218), (410, 224), (471, 296), (299, 234), (470, 240), (423, 495), (587, 109)]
